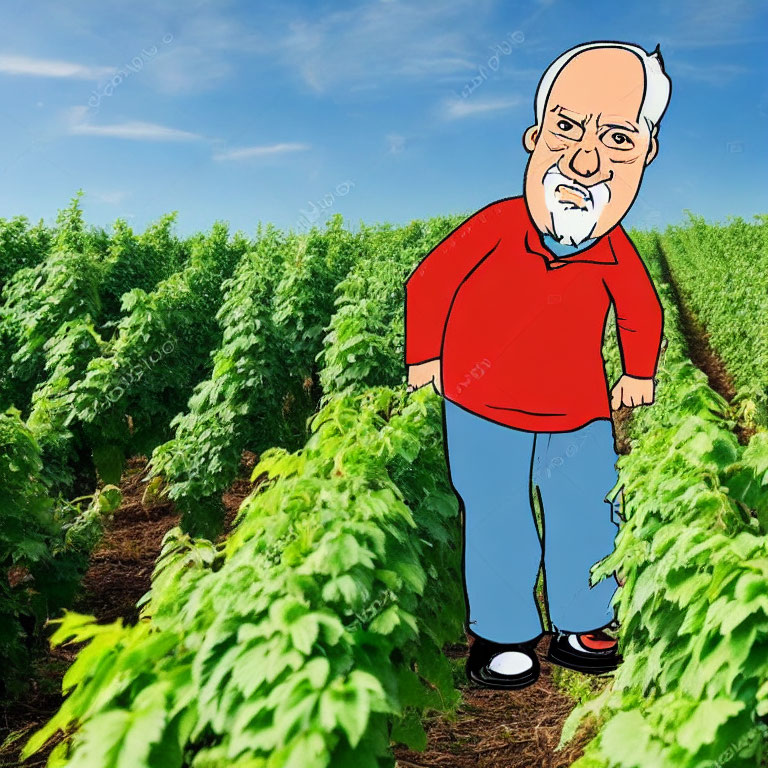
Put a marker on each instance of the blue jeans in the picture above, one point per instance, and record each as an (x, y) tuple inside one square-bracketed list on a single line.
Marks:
[(495, 470)]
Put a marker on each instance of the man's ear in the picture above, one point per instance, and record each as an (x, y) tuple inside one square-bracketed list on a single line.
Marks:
[(653, 146), (530, 137)]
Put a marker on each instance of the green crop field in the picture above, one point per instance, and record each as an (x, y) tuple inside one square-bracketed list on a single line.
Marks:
[(311, 627)]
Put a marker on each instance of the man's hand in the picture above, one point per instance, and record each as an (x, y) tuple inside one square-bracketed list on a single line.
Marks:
[(425, 373), (631, 391)]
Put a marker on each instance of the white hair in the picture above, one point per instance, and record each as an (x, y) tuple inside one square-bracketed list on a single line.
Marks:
[(657, 84)]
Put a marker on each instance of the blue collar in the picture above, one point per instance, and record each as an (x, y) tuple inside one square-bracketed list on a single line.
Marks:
[(565, 250)]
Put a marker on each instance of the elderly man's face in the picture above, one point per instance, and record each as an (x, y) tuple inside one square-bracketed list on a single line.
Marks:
[(588, 157)]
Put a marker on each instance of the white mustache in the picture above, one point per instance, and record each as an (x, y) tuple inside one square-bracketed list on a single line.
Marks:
[(553, 178)]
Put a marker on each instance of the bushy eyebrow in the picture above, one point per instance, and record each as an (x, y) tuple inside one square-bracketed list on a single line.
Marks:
[(624, 125), (577, 118)]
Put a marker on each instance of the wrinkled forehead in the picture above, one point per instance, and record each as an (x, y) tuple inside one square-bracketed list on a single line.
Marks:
[(609, 82)]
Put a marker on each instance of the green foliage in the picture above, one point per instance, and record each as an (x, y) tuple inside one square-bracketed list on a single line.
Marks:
[(240, 404), (37, 301), (722, 272), (693, 612), (45, 543), (66, 454), (304, 305), (54, 318), (141, 261), (309, 635), (21, 246), (364, 343), (70, 230), (159, 352), (261, 390), (312, 635)]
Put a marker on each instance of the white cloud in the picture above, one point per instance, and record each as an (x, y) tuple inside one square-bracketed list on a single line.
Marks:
[(135, 130), (243, 153), (385, 41), (459, 108), (188, 69), (26, 65), (369, 42)]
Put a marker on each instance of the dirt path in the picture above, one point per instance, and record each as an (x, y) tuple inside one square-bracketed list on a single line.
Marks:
[(700, 351)]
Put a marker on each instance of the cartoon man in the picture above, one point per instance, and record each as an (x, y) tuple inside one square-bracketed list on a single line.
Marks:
[(505, 317)]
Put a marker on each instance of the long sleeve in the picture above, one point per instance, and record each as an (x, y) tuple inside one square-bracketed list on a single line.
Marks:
[(431, 287), (639, 314)]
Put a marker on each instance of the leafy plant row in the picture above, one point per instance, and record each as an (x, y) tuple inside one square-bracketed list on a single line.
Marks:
[(189, 685), (357, 462), (722, 272), (364, 342), (58, 314), (103, 399), (311, 637), (326, 306), (67, 274), (693, 688), (21, 245), (57, 317), (127, 396), (263, 384)]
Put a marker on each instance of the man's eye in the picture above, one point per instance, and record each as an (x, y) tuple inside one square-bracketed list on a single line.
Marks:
[(564, 125), (618, 140)]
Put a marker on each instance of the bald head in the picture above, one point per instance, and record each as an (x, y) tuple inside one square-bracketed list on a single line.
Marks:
[(597, 110)]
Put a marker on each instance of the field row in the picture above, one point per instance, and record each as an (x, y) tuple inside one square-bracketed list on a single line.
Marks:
[(722, 275), (343, 569)]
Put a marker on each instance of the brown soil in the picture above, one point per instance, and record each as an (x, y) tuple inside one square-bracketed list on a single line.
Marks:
[(700, 350), (621, 419), (121, 567), (502, 729)]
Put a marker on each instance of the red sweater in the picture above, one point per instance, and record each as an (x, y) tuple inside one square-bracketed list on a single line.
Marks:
[(519, 330)]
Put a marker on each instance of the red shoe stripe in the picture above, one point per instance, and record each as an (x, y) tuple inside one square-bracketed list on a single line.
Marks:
[(596, 643)]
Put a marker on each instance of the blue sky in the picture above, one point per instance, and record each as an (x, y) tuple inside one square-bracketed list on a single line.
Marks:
[(287, 112)]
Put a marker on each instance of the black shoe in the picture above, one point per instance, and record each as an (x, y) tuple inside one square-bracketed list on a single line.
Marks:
[(590, 652), (480, 661)]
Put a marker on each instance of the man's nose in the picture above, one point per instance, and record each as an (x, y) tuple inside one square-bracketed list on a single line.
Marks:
[(585, 162)]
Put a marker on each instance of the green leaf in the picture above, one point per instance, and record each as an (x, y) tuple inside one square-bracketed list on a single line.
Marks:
[(702, 726), (308, 750), (386, 621), (410, 731), (110, 498), (304, 632), (629, 741)]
